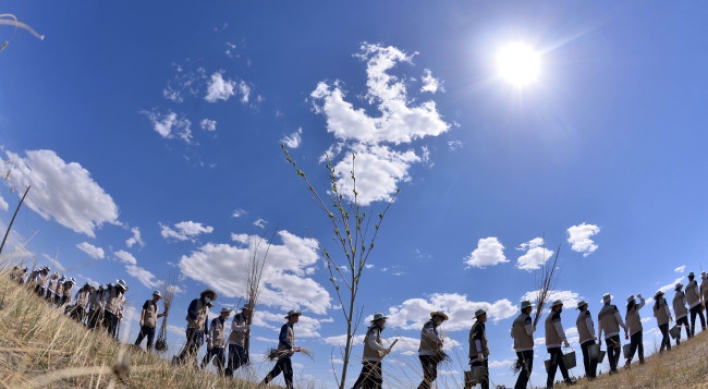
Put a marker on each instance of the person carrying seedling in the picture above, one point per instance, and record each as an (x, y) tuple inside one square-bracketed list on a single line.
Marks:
[(197, 314), (148, 320), (286, 349), (215, 343), (237, 340), (430, 350), (371, 376)]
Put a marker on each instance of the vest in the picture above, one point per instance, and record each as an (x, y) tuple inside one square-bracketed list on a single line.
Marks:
[(238, 336), (150, 318), (371, 354), (679, 306), (633, 321), (607, 320), (553, 338), (17, 274), (704, 289), (68, 288), (115, 302), (82, 297), (522, 340), (290, 337), (478, 332), (217, 332), (428, 345), (660, 311), (41, 279), (584, 333), (693, 297), (202, 311)]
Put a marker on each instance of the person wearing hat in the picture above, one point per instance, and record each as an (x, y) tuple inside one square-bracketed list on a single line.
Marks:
[(610, 321), (371, 376), (634, 328), (555, 336), (41, 279), (240, 331), (96, 308), (113, 312), (67, 290), (663, 317), (17, 274), (479, 349), (430, 349), (704, 291), (197, 314), (53, 288), (522, 330), (81, 300), (681, 313), (586, 338), (693, 299), (148, 320), (286, 349), (215, 341)]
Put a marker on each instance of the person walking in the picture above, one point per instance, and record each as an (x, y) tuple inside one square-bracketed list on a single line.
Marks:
[(479, 348), (67, 290), (371, 376), (693, 299), (197, 314), (81, 300), (286, 349), (215, 344), (240, 328), (634, 328), (522, 331), (96, 308), (113, 311), (586, 338), (610, 321), (704, 291), (681, 313), (148, 321), (663, 317), (17, 274), (41, 279), (555, 336), (430, 349)]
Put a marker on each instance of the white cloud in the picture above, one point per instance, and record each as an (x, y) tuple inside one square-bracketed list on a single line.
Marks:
[(413, 313), (93, 251), (169, 125), (285, 281), (238, 213), (219, 89), (260, 223), (489, 252), (536, 255), (293, 140), (208, 125), (680, 269), (503, 363), (131, 267), (125, 257), (569, 298), (306, 327), (245, 92), (579, 238), (62, 191), (430, 83), (187, 230), (184, 82), (3, 204), (454, 145), (55, 263), (399, 123), (136, 238)]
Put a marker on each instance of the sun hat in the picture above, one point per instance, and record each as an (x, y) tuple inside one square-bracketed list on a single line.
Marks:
[(678, 286), (479, 313), (526, 304), (630, 299), (226, 310), (606, 298), (122, 285), (439, 313), (377, 317), (555, 303), (208, 291), (293, 312), (658, 294), (704, 274), (691, 275), (157, 293), (580, 304)]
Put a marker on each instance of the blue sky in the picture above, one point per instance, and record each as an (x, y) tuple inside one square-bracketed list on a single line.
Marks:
[(151, 132)]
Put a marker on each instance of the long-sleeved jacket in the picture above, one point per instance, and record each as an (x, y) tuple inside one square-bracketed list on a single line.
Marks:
[(679, 304), (555, 335), (217, 332), (522, 332), (197, 315), (373, 347), (286, 340), (632, 318), (114, 300), (82, 297), (239, 326), (478, 340), (661, 311), (609, 321), (429, 339), (67, 289), (586, 327)]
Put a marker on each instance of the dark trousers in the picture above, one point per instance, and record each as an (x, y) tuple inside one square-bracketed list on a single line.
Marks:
[(589, 363), (636, 344), (95, 319), (614, 348), (146, 332), (237, 358), (370, 377), (78, 313), (111, 322), (665, 340), (555, 364), (683, 322), (526, 361), (697, 311), (217, 352), (430, 370), (284, 365), (485, 380), (191, 348)]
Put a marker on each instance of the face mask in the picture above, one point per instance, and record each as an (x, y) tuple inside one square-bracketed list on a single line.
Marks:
[(207, 300)]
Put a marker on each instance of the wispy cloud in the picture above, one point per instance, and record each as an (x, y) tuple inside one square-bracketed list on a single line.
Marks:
[(170, 125), (187, 230), (136, 238), (208, 125), (93, 251), (293, 140), (3, 204), (260, 223), (238, 213)]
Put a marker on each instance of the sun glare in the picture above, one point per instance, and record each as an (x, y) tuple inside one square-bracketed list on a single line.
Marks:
[(518, 64)]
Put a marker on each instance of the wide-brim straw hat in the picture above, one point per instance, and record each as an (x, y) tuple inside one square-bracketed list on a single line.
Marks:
[(157, 293), (208, 291), (293, 312), (581, 303), (556, 303), (606, 298), (526, 304), (691, 275), (658, 294), (678, 286), (226, 310), (122, 285), (439, 313), (479, 313), (630, 299), (378, 316)]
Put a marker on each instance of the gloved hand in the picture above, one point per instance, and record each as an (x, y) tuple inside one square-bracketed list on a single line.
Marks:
[(480, 357), (566, 344)]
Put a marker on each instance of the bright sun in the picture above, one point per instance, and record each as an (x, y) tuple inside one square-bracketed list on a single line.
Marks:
[(518, 64)]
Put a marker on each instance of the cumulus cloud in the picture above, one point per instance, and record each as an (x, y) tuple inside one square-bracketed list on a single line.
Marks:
[(170, 125), (569, 298), (219, 88), (286, 281), (208, 125), (62, 191), (399, 123), (536, 255), (3, 204), (136, 238), (579, 238), (293, 140), (413, 313), (489, 252), (430, 83), (187, 230), (93, 251), (307, 327)]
